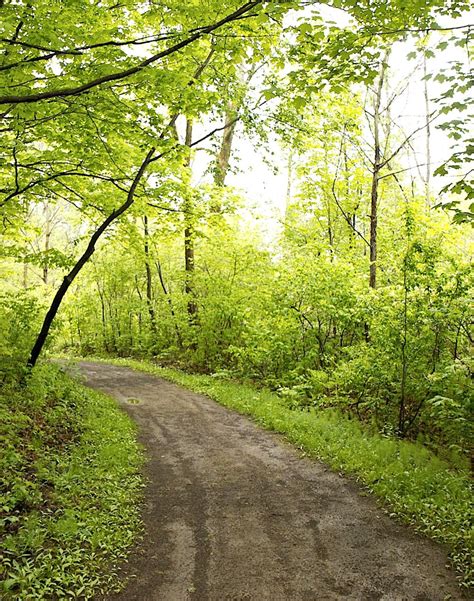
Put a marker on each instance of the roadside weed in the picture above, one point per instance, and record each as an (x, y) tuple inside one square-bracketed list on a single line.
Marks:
[(70, 489)]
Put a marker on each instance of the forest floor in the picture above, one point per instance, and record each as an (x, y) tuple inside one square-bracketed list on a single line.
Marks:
[(235, 513)]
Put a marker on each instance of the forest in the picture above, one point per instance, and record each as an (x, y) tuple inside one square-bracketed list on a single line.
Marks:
[(274, 195)]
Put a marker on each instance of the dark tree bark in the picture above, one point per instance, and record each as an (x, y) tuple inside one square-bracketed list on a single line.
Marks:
[(149, 282), (69, 278)]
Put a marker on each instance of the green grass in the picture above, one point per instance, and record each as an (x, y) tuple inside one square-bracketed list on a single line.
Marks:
[(70, 489), (412, 482)]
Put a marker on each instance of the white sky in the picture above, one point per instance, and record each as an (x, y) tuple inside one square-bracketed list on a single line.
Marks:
[(266, 191)]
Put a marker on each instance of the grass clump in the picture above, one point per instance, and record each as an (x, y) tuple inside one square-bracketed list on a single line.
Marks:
[(413, 482), (70, 488)]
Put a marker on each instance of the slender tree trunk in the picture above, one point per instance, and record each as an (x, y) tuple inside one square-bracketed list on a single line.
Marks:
[(118, 324), (189, 236), (403, 383), (330, 230), (149, 282), (47, 239), (70, 277), (130, 329), (351, 215), (289, 184), (376, 166), (373, 225), (113, 336), (428, 134), (71, 332), (137, 286), (103, 317), (170, 304)]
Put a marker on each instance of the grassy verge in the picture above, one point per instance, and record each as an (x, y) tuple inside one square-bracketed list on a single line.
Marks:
[(70, 489), (411, 481)]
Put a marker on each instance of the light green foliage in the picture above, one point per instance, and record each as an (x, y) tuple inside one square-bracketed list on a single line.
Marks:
[(298, 317), (299, 322), (412, 482), (69, 492), (18, 322)]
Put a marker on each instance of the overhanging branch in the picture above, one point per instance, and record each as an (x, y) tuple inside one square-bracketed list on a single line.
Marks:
[(120, 75)]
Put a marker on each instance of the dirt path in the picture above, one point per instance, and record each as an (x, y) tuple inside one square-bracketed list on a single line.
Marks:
[(233, 513)]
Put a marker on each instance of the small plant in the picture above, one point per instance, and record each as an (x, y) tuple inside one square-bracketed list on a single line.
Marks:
[(63, 533)]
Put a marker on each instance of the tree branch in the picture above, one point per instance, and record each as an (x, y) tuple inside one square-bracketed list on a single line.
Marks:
[(69, 278), (73, 91)]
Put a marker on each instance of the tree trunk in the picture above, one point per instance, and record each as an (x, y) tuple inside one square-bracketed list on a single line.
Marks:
[(170, 304), (402, 405), (428, 134), (70, 277), (149, 282), (289, 184), (374, 195), (223, 158), (374, 223), (47, 239), (189, 235), (103, 318)]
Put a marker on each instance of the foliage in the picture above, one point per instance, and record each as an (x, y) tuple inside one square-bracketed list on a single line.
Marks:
[(90, 90), (19, 316), (298, 323), (69, 491), (411, 481)]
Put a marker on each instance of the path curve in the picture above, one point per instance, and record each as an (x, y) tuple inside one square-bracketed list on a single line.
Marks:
[(233, 513)]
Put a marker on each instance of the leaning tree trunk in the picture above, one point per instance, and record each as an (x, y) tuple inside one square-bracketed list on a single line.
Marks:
[(70, 277)]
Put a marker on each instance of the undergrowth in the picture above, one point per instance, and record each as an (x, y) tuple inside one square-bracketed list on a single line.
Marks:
[(69, 490), (412, 482)]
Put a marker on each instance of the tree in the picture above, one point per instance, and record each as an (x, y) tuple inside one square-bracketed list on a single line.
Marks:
[(22, 64), (83, 110)]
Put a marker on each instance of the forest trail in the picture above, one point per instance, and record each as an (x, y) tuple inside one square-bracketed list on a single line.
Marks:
[(234, 513)]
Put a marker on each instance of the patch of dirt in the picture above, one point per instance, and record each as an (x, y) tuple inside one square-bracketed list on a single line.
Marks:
[(233, 513)]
